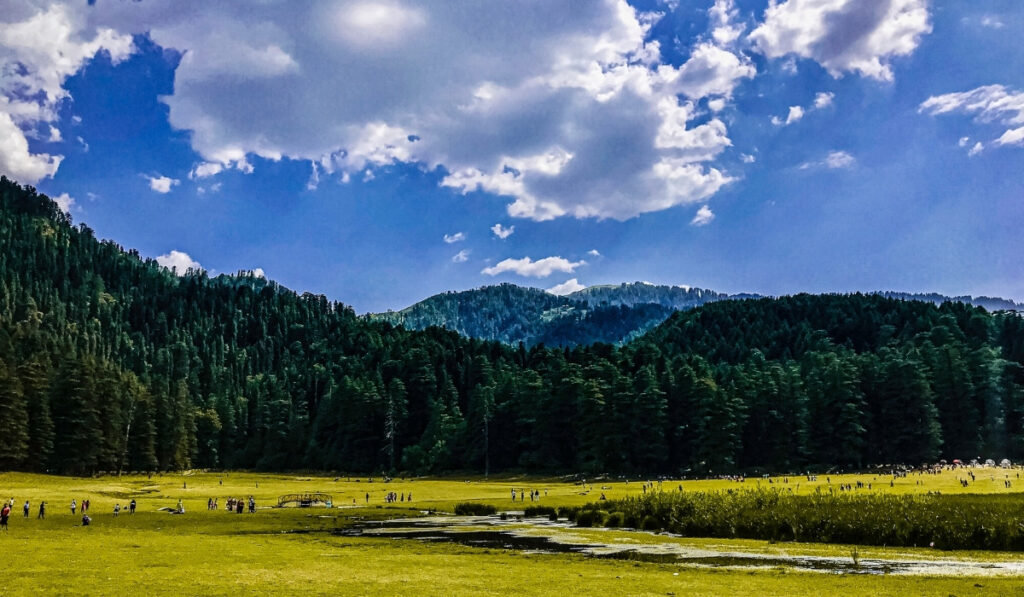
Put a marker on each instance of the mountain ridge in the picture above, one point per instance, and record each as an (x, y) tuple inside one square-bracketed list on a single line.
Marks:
[(605, 313)]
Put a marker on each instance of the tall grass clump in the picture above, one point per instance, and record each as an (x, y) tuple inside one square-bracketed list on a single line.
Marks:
[(944, 522), (475, 509)]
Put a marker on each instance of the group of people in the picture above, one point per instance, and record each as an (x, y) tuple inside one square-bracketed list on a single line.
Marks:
[(76, 507), (236, 505), (393, 497), (534, 495)]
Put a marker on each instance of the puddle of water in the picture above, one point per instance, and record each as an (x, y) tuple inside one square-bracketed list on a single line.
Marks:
[(539, 536)]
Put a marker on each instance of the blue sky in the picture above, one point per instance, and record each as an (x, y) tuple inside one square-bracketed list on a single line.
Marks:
[(367, 149)]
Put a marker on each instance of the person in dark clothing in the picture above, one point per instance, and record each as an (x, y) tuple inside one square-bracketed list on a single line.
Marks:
[(131, 507), (5, 513), (26, 508), (42, 510)]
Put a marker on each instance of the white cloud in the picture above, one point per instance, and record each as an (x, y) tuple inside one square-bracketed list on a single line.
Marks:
[(555, 106), (795, 114), (703, 217), (978, 147), (16, 161), (461, 257), (502, 232), (712, 70), (746, 158), (85, 146), (454, 238), (65, 202), (205, 170), (568, 287), (594, 253), (55, 136), (161, 184), (844, 35), (834, 160), (40, 47), (839, 159), (178, 262), (992, 22), (963, 141), (821, 100), (989, 104), (722, 15), (259, 273), (536, 269)]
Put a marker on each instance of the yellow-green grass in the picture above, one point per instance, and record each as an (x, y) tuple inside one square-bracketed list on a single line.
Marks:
[(439, 493), (213, 553)]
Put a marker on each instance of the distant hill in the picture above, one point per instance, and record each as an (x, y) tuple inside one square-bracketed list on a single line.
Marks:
[(611, 314), (987, 302)]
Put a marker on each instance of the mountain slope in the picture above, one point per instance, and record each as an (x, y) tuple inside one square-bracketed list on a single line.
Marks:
[(512, 314)]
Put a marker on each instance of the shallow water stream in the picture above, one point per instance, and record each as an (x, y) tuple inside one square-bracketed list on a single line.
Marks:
[(541, 536)]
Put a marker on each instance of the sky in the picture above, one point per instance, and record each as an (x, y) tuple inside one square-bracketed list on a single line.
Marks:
[(381, 151)]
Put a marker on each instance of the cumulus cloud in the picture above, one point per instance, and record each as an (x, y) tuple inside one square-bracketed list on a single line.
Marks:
[(207, 169), (65, 202), (259, 273), (16, 160), (703, 217), (594, 253), (502, 232), (527, 267), (454, 238), (823, 99), (564, 109), (40, 47), (461, 257), (844, 35), (161, 184), (795, 114), (988, 104), (568, 287), (978, 147), (178, 262)]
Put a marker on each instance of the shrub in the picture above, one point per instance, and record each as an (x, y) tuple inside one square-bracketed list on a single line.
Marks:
[(475, 509), (614, 520), (590, 518), (650, 523)]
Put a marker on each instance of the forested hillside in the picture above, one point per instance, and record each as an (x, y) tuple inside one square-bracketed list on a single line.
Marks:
[(513, 314), (109, 360), (611, 314)]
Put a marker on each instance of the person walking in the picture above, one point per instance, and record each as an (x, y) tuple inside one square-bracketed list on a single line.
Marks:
[(4, 515), (26, 508), (42, 511)]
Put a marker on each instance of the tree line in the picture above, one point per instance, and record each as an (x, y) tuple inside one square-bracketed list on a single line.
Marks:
[(110, 362)]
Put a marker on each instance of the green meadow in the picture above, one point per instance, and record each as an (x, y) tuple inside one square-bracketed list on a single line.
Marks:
[(291, 550)]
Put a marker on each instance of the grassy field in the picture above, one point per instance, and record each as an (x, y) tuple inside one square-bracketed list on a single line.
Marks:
[(290, 550)]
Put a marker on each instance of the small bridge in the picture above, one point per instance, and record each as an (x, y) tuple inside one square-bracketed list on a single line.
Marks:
[(305, 500)]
